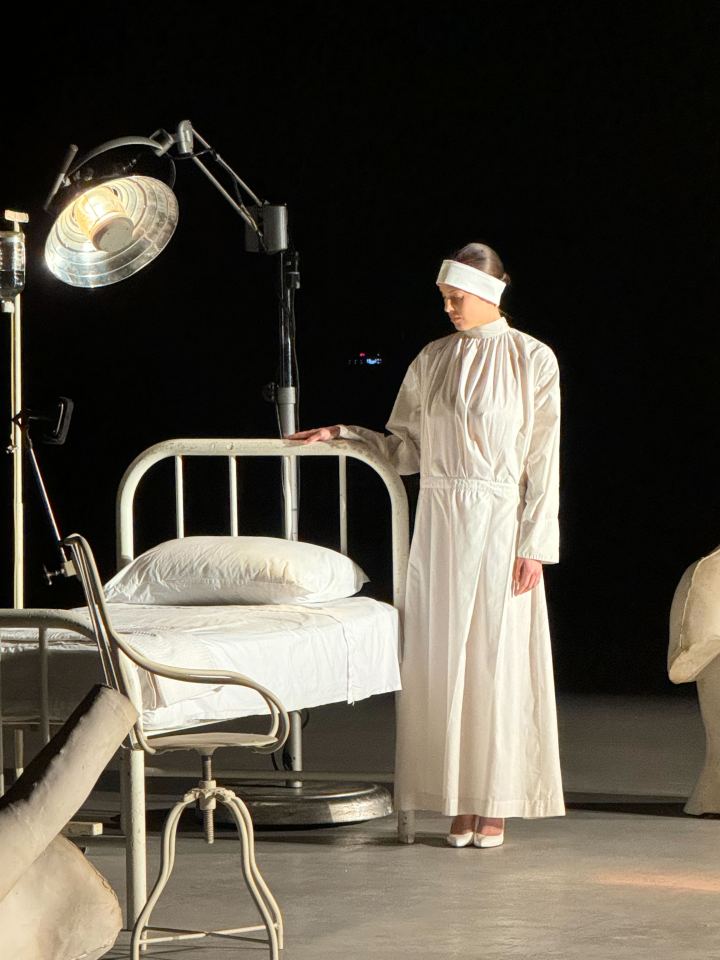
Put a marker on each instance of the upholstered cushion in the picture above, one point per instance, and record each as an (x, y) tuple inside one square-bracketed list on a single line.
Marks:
[(59, 779), (240, 570), (54, 904), (60, 909), (695, 619)]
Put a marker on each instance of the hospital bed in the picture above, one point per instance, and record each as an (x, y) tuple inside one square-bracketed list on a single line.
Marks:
[(343, 650)]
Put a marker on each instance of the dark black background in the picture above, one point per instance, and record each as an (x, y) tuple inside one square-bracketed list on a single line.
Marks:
[(580, 143)]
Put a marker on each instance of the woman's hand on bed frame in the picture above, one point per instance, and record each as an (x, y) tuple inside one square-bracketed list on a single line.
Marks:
[(319, 433)]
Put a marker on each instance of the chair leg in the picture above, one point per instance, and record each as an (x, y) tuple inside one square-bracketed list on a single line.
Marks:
[(249, 874), (167, 861), (269, 898), (132, 783)]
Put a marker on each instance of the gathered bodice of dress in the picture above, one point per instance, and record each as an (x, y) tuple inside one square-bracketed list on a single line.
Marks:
[(476, 406), (482, 405)]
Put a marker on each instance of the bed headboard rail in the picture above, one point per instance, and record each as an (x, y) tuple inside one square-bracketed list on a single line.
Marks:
[(234, 448)]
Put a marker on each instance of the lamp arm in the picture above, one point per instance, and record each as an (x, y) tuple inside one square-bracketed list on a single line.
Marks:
[(183, 140), (68, 170), (241, 183), (113, 145), (160, 147), (237, 207)]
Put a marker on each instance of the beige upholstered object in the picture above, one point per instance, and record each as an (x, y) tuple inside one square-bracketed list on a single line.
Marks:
[(60, 909), (53, 903), (705, 796), (693, 655), (695, 620)]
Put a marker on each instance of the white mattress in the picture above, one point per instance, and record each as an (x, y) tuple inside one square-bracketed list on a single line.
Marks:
[(306, 655)]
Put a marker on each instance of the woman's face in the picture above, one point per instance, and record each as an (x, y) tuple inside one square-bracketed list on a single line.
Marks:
[(466, 310)]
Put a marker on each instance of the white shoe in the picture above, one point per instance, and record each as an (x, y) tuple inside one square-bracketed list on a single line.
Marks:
[(460, 839), (485, 840)]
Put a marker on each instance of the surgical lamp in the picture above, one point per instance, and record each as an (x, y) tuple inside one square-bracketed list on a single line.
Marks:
[(115, 211)]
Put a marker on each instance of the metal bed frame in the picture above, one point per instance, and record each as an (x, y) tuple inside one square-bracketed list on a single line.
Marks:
[(178, 450), (133, 766)]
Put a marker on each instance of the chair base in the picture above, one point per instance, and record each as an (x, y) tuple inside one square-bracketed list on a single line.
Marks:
[(208, 795)]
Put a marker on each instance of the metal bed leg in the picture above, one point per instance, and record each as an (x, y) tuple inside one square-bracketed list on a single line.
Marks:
[(132, 783), (406, 826), (44, 686), (18, 752), (2, 737), (294, 746), (167, 861)]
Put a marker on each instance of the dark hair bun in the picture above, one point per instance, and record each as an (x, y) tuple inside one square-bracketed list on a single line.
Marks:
[(483, 257)]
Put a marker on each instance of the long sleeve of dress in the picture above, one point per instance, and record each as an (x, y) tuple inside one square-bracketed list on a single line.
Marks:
[(539, 531), (402, 447)]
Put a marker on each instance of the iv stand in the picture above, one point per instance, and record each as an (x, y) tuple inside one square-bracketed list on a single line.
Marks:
[(16, 446), (12, 308)]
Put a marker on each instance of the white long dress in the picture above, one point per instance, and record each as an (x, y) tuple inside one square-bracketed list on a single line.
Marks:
[(478, 415)]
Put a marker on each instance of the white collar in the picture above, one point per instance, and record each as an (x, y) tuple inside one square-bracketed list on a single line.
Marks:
[(491, 329)]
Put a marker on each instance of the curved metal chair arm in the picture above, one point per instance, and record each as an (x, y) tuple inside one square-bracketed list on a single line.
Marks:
[(110, 642)]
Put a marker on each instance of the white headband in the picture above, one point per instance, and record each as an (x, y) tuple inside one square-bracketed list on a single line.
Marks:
[(465, 277)]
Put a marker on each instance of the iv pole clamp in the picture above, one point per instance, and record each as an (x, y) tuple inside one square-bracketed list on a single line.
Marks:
[(54, 434)]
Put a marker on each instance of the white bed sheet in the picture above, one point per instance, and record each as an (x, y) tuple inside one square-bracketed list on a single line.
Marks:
[(306, 655)]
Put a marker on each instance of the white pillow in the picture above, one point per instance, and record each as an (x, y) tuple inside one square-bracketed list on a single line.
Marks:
[(215, 570)]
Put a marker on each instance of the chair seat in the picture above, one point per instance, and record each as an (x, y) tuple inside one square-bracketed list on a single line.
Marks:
[(207, 743)]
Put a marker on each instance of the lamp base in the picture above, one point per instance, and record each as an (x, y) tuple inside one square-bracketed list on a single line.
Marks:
[(316, 803)]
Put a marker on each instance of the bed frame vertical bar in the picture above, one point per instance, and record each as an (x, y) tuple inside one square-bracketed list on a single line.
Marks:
[(18, 752), (232, 466), (289, 482), (132, 784), (342, 473), (294, 748), (2, 732), (179, 498), (44, 686)]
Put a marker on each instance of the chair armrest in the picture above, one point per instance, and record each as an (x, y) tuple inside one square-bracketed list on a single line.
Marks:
[(109, 643), (281, 722)]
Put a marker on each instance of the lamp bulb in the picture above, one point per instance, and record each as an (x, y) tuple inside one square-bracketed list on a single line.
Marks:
[(103, 219)]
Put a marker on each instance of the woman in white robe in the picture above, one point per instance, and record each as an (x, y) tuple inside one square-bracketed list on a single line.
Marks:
[(478, 415)]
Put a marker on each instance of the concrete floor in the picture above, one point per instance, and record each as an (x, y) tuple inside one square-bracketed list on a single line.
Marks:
[(625, 874)]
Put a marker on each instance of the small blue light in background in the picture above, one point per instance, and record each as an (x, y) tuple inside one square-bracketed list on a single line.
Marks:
[(364, 359)]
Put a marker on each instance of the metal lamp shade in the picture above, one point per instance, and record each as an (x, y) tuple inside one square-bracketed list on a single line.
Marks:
[(147, 219)]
